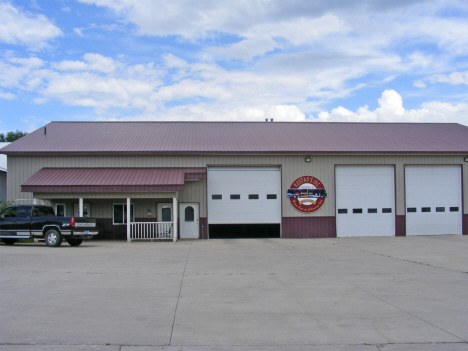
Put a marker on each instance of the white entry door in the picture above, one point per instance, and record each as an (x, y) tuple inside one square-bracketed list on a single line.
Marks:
[(365, 201), (433, 200), (189, 218)]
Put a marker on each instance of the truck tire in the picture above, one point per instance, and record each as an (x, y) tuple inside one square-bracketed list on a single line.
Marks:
[(74, 242), (53, 238), (9, 241)]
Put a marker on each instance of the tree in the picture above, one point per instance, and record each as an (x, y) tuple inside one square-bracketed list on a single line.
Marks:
[(12, 136)]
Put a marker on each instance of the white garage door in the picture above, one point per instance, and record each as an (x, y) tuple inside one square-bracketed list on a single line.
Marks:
[(365, 201), (244, 195), (433, 200)]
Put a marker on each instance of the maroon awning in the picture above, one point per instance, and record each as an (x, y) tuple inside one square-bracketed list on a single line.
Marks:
[(61, 180)]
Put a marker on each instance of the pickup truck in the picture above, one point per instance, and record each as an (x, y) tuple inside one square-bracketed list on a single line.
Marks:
[(38, 221)]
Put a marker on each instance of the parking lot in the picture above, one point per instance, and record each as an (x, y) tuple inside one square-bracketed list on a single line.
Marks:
[(405, 293)]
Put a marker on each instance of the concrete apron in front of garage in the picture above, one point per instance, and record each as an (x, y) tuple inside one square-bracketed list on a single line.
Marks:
[(406, 293)]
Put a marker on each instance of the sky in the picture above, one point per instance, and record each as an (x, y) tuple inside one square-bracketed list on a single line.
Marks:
[(244, 60)]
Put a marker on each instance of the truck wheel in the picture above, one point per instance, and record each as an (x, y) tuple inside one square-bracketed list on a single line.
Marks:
[(53, 238), (75, 242), (9, 241)]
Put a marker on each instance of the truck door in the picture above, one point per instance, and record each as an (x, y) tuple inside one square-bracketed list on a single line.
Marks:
[(23, 220), (8, 221)]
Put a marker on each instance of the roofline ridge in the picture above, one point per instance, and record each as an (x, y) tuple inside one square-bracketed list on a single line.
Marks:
[(247, 122)]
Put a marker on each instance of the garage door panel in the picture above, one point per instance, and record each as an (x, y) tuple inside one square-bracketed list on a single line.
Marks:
[(432, 188), (244, 181), (355, 225), (364, 188)]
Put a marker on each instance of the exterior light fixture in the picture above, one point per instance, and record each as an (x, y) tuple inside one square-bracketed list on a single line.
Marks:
[(309, 159), (466, 159)]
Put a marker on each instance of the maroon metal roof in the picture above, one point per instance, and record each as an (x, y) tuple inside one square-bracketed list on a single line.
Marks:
[(111, 179), (171, 138)]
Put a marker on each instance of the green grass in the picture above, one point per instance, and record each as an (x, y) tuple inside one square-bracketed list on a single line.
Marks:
[(25, 240)]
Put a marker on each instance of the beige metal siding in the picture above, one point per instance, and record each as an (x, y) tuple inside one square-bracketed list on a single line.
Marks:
[(195, 191), (3, 186), (20, 168)]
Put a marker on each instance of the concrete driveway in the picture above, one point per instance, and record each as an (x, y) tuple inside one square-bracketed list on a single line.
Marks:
[(317, 294)]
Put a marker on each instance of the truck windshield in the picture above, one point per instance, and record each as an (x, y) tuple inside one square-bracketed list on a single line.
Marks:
[(43, 212)]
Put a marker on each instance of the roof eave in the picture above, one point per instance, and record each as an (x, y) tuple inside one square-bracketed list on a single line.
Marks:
[(252, 153)]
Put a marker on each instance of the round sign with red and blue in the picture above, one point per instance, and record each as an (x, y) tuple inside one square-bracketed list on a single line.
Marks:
[(307, 194)]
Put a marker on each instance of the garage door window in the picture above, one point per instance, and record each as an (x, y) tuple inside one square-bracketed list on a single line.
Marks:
[(235, 197)]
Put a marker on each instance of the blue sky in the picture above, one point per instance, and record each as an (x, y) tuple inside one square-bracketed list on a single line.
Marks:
[(290, 60)]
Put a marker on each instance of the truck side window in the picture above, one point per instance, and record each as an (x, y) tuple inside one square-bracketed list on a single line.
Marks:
[(24, 212), (9, 212), (43, 211)]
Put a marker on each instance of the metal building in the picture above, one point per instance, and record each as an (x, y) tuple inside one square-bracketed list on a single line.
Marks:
[(169, 180)]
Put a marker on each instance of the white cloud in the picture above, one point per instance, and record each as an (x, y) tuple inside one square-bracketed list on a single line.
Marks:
[(208, 112), (86, 89), (92, 62), (20, 28), (419, 84), (13, 70), (6, 95), (284, 87), (391, 110), (31, 62), (263, 38), (247, 48), (99, 63), (454, 78), (67, 65), (345, 26), (390, 103), (298, 51), (79, 31), (303, 31), (141, 87)]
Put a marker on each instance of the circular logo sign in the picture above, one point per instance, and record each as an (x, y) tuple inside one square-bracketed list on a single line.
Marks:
[(307, 194)]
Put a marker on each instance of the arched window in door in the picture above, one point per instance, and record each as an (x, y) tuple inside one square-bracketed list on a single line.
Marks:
[(189, 214), (166, 215)]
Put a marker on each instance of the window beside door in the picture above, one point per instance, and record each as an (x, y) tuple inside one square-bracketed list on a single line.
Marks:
[(120, 214), (166, 214), (60, 210)]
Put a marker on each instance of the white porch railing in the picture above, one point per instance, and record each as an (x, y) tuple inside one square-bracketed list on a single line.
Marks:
[(151, 230)]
